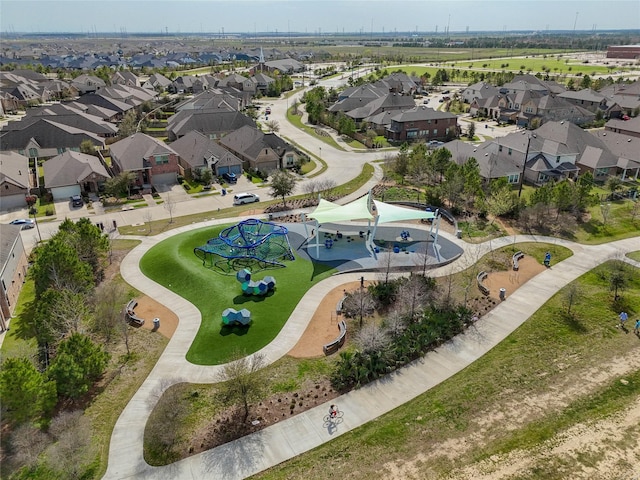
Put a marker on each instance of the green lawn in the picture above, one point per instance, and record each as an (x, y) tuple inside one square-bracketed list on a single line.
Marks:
[(634, 256), (173, 264), (619, 225)]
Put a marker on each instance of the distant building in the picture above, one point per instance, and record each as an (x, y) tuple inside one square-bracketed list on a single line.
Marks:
[(631, 52)]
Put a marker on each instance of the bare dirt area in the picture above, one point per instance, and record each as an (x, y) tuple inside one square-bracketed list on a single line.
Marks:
[(510, 280), (148, 309)]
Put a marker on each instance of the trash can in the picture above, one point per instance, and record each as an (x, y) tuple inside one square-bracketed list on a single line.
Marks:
[(156, 323), (459, 233), (503, 293), (271, 216)]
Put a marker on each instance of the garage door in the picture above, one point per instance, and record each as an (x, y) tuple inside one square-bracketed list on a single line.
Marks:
[(164, 179), (63, 193), (237, 169), (12, 202)]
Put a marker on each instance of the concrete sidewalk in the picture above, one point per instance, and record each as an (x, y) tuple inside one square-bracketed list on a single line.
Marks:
[(307, 430)]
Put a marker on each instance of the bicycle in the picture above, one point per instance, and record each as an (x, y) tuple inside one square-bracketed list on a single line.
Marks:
[(333, 419)]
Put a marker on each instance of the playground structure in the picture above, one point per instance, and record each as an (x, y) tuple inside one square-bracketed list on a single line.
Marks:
[(232, 316), (253, 287), (247, 243)]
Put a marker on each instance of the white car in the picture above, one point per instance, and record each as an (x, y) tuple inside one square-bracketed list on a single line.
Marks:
[(242, 198), (25, 222)]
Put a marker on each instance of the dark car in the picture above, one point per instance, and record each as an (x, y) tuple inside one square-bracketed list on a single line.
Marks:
[(230, 177), (25, 222), (76, 201)]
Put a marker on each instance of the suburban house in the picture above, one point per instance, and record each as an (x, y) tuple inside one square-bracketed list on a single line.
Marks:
[(127, 94), (285, 65), (260, 151), (104, 101), (87, 83), (626, 150), (586, 98), (629, 127), (14, 180), (390, 102), (44, 138), (153, 162), (157, 82), (627, 97), (125, 77), (422, 123), (493, 164), (479, 90), (239, 82), (217, 98), (261, 82), (215, 123), (400, 83), (197, 151), (13, 270), (74, 173), (65, 114)]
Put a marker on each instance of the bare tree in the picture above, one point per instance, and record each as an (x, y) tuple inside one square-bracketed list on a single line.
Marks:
[(147, 216), (242, 383), (395, 323), (169, 206), (372, 338), (384, 265), (572, 295), (273, 125), (163, 425), (412, 296), (107, 306), (73, 450), (28, 442), (359, 303)]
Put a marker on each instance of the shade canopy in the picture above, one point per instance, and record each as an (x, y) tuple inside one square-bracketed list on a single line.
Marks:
[(394, 213), (356, 210)]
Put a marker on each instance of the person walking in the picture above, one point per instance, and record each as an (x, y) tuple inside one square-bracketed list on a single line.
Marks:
[(636, 329), (623, 318)]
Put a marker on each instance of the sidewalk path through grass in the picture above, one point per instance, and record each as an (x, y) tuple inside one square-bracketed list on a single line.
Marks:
[(296, 435)]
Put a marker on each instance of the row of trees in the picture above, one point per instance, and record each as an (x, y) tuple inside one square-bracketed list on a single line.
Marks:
[(65, 311)]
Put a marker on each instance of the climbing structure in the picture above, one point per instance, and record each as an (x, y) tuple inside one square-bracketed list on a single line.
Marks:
[(251, 287)]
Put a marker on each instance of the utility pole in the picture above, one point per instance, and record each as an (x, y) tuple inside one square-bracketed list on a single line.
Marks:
[(524, 166)]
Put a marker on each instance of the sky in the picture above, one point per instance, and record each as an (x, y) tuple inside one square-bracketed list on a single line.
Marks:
[(314, 16)]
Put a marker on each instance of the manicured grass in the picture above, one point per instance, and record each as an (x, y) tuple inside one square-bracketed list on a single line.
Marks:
[(173, 264), (18, 340), (307, 167), (474, 407), (536, 64), (296, 120), (634, 256)]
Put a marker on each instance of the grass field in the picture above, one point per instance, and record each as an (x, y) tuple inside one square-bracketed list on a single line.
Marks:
[(557, 65), (620, 224), (519, 398), (634, 256), (173, 264)]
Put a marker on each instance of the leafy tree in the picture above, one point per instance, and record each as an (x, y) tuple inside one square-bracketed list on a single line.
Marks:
[(242, 381), (88, 147), (418, 162), (613, 184), (128, 125), (440, 159), (502, 201), (585, 82), (89, 242), (59, 312), (471, 131), (78, 363), (24, 392), (119, 185), (282, 184), (562, 194), (206, 176), (572, 295), (401, 162), (58, 266), (620, 276), (452, 187)]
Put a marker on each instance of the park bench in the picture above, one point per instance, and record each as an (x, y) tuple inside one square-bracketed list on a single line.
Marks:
[(334, 345), (131, 316), (516, 258), (481, 278)]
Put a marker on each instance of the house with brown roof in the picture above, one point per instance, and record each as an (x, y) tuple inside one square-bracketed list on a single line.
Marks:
[(14, 180), (197, 151), (213, 122), (153, 162), (74, 173), (260, 151), (422, 123)]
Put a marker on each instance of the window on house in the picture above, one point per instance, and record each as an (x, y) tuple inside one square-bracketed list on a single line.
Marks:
[(446, 131), (61, 150), (33, 152), (162, 159), (513, 178), (510, 151), (21, 152), (601, 171), (435, 121), (558, 159), (499, 148), (289, 160), (435, 132), (412, 133)]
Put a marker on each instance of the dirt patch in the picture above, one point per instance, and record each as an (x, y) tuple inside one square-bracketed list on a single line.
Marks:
[(148, 309), (510, 280)]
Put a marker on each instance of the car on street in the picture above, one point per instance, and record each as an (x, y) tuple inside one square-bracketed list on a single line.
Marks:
[(434, 143), (230, 177), (268, 111), (76, 201), (26, 223), (242, 198)]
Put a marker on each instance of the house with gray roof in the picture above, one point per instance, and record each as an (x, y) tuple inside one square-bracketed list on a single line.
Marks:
[(197, 151), (389, 102), (479, 90), (626, 149), (153, 162), (216, 99), (44, 138), (586, 98), (625, 96), (106, 102), (125, 77), (157, 82), (15, 180), (629, 127), (285, 65), (66, 114), (260, 151), (87, 83), (422, 123), (493, 164), (215, 123), (74, 173)]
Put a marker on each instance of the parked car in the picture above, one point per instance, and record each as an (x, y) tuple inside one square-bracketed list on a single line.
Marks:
[(268, 111), (76, 201), (435, 143), (242, 198), (230, 177), (26, 223)]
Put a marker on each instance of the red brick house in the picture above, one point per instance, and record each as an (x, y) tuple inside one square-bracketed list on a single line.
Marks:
[(422, 123)]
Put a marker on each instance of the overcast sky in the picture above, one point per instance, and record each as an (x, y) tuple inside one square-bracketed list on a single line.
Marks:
[(312, 16)]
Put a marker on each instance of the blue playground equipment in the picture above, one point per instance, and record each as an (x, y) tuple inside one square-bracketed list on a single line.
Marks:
[(246, 243), (251, 287), (232, 316)]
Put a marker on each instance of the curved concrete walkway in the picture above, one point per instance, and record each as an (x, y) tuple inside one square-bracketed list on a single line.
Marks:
[(305, 431)]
